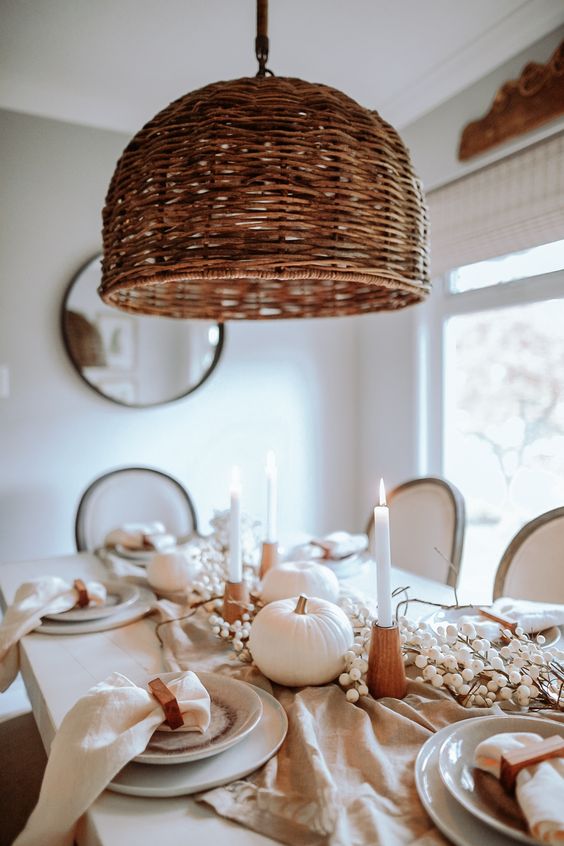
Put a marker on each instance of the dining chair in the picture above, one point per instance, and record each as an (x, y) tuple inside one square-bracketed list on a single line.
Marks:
[(132, 495), (532, 566), (426, 515), (23, 765)]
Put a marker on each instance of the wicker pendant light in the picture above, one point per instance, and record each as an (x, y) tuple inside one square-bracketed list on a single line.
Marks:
[(264, 197)]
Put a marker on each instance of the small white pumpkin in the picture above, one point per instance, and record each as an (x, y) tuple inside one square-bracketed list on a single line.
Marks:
[(172, 571), (300, 641), (294, 577)]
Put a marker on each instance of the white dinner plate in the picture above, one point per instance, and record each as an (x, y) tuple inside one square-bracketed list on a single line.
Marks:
[(453, 615), (236, 708), (479, 792), (138, 608), (243, 758), (119, 595), (459, 826)]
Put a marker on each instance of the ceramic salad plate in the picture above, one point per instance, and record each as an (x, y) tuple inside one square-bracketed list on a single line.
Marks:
[(118, 597), (479, 792), (236, 708), (453, 615), (252, 752), (135, 611), (456, 823)]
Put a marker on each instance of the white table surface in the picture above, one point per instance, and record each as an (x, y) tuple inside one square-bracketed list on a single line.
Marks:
[(58, 670)]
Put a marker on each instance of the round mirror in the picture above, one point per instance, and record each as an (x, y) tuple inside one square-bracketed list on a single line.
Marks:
[(132, 359)]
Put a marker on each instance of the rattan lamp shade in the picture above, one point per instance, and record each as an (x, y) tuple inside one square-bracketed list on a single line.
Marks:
[(264, 197)]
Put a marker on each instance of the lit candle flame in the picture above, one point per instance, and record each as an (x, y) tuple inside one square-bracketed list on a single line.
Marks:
[(382, 493)]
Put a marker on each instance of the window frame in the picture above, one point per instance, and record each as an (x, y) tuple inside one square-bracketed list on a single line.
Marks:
[(443, 304)]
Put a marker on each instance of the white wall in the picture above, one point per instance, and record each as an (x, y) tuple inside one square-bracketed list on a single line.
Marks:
[(433, 139), (389, 407), (289, 385)]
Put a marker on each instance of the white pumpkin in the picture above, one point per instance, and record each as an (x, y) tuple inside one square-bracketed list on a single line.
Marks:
[(172, 571), (300, 641), (294, 577)]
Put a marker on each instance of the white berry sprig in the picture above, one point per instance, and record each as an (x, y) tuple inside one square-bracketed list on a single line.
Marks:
[(516, 671)]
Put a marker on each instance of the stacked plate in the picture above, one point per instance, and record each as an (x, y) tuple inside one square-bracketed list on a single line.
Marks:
[(124, 604), (470, 806), (440, 619), (137, 556), (247, 727)]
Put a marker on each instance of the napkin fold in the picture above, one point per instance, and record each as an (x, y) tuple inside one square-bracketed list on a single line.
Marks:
[(531, 616), (539, 789), (334, 547), (34, 599), (101, 733), (137, 536)]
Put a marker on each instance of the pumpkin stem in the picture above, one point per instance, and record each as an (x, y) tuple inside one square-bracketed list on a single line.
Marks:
[(301, 606)]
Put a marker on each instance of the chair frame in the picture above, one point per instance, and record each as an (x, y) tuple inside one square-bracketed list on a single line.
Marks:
[(455, 552), (78, 528), (514, 545)]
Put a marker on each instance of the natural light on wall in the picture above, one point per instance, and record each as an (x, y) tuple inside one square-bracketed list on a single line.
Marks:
[(503, 435)]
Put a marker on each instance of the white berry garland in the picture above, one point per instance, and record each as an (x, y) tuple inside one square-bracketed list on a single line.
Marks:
[(515, 671)]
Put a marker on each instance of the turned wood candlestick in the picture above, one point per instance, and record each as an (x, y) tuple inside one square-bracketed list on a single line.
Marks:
[(235, 601), (386, 670), (269, 557)]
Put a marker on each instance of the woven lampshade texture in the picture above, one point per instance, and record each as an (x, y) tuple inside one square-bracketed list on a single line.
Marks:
[(264, 197), (84, 340)]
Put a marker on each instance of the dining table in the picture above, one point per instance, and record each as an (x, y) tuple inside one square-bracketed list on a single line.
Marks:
[(59, 669)]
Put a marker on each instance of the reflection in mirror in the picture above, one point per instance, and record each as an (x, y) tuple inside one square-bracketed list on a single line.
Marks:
[(134, 359)]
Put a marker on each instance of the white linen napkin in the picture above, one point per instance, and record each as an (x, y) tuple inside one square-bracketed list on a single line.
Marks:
[(137, 536), (101, 733), (531, 616), (33, 599), (336, 546), (539, 789)]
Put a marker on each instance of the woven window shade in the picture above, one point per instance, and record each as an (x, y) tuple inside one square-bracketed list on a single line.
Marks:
[(515, 204)]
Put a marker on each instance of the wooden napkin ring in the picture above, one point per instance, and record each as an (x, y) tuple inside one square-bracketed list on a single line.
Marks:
[(513, 762), (505, 624), (83, 598), (168, 702)]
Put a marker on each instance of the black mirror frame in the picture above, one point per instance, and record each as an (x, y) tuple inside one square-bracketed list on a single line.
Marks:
[(132, 405)]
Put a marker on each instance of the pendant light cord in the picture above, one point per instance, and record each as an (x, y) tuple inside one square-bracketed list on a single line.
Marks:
[(261, 41)]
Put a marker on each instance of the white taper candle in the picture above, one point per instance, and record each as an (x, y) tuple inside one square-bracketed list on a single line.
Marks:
[(383, 559), (271, 530), (235, 569)]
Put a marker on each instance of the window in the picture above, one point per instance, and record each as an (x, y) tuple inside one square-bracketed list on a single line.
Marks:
[(496, 410)]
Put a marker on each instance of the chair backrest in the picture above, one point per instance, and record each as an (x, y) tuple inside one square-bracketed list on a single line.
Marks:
[(426, 513), (532, 566), (132, 495)]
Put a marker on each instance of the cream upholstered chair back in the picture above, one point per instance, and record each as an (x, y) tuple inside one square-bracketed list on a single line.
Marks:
[(132, 495), (426, 515), (532, 566)]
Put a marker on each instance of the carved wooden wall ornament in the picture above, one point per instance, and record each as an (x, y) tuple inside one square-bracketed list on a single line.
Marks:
[(519, 106)]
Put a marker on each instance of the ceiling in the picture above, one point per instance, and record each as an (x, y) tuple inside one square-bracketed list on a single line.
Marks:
[(115, 63)]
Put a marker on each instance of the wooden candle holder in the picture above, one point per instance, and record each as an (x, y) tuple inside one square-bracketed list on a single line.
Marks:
[(269, 557), (386, 670), (235, 601)]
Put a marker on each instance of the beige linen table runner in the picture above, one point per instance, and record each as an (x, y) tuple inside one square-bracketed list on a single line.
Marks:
[(345, 775)]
